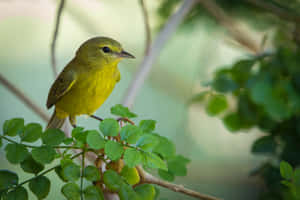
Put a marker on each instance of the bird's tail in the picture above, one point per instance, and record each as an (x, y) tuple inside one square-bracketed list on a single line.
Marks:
[(55, 121)]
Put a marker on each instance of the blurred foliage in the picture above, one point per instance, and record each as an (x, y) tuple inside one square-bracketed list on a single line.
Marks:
[(292, 178), (120, 144), (261, 91), (266, 94), (248, 10)]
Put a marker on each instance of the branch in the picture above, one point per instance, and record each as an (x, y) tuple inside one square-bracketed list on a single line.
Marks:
[(148, 178), (147, 26), (242, 37), (275, 10), (154, 51), (23, 98), (53, 44)]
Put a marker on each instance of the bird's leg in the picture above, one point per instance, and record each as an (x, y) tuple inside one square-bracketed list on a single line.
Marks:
[(72, 120), (96, 117)]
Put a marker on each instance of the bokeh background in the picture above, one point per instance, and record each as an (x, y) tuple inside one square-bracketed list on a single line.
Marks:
[(221, 161)]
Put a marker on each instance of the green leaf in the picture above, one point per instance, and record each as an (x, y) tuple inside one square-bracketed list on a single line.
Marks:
[(286, 183), (109, 127), (165, 147), (260, 91), (147, 142), (93, 193), (8, 179), (286, 170), (58, 171), (232, 122), (40, 186), (130, 133), (264, 145), (43, 154), (16, 153), (71, 172), (112, 180), (166, 175), (151, 160), (71, 191), (95, 140), (77, 132), (132, 157), (145, 191), (16, 194), (131, 175), (198, 98), (92, 173), (147, 125), (223, 81), (113, 150), (127, 193), (297, 177), (1, 142), (68, 141), (53, 137), (122, 111), (32, 132), (29, 165), (177, 165), (216, 105), (13, 127)]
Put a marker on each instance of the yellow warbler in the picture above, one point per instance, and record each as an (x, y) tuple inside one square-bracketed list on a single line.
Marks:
[(87, 81)]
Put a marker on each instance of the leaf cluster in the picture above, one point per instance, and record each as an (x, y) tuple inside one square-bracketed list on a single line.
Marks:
[(118, 144), (262, 92)]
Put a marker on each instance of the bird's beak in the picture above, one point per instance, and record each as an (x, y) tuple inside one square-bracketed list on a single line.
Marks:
[(125, 54)]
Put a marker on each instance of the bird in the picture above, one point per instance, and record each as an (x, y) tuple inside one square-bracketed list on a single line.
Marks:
[(86, 81)]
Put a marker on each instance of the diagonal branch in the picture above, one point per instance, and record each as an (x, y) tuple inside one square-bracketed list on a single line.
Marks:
[(239, 35), (23, 98), (275, 10), (147, 26), (148, 178), (155, 50), (54, 38)]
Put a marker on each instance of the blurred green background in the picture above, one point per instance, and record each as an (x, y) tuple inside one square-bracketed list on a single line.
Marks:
[(221, 161)]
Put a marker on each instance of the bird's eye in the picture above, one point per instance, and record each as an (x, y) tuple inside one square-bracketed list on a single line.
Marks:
[(106, 49)]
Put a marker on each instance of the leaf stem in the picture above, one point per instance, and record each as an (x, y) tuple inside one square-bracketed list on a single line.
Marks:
[(43, 173), (82, 174), (32, 146)]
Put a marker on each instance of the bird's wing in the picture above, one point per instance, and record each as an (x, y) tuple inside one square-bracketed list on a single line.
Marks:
[(60, 87)]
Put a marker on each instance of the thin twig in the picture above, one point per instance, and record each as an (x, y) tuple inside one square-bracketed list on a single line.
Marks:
[(44, 172), (275, 10), (125, 120), (238, 34), (96, 117), (155, 50), (54, 38), (24, 98), (82, 174), (148, 178), (147, 26)]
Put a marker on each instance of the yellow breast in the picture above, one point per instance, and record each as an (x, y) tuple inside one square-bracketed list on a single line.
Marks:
[(89, 92)]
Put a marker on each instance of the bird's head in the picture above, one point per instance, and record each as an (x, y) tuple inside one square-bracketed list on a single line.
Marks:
[(100, 50)]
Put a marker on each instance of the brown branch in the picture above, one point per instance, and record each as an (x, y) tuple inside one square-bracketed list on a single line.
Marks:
[(275, 10), (147, 26), (54, 38), (225, 20), (23, 98), (148, 178)]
